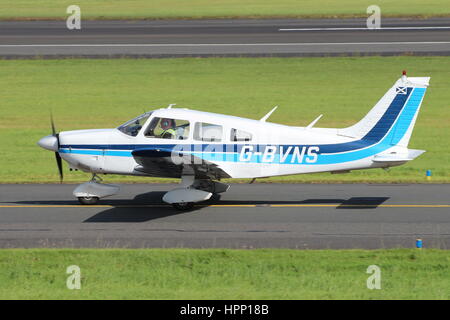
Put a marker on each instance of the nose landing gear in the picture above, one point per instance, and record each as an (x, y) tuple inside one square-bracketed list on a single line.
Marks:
[(90, 192), (183, 206)]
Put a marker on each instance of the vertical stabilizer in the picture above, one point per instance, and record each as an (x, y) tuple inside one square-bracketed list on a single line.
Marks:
[(395, 112)]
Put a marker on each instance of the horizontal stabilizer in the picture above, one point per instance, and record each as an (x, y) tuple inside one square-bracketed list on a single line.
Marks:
[(393, 158), (414, 153)]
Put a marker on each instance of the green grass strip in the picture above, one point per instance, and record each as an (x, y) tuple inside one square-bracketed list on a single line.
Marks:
[(224, 274), (170, 9)]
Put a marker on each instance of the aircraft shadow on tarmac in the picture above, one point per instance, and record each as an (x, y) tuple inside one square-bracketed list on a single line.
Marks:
[(149, 206)]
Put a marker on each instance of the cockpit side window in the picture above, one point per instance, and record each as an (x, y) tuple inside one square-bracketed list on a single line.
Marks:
[(240, 135), (167, 128), (133, 126)]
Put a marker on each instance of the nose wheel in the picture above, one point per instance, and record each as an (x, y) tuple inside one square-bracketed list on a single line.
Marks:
[(90, 192), (183, 206), (88, 200)]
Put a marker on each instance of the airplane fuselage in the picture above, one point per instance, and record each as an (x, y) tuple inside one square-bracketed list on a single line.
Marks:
[(302, 151)]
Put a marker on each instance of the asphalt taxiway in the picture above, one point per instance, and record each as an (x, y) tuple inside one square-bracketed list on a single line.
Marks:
[(302, 216), (239, 37)]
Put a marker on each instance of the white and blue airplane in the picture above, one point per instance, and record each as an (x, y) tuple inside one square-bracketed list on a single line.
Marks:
[(202, 148)]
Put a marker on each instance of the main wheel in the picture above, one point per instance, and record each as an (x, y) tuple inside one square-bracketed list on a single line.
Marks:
[(88, 200), (214, 198), (183, 206)]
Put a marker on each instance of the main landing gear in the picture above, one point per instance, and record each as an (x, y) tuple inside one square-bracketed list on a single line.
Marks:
[(191, 191), (88, 200)]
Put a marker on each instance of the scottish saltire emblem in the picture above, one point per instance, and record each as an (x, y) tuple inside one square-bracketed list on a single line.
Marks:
[(400, 90)]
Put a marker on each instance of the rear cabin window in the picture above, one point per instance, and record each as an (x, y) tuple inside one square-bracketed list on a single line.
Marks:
[(239, 135), (166, 128), (208, 132)]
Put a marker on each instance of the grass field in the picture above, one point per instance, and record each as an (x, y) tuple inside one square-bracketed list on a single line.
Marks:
[(105, 93), (224, 274), (158, 9)]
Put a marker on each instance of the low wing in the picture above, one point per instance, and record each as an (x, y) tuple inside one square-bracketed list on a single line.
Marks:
[(160, 162)]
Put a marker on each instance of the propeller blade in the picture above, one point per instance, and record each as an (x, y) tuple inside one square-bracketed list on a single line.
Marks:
[(57, 156), (53, 124), (59, 163)]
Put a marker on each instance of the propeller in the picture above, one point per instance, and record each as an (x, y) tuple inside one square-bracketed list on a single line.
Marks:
[(57, 156)]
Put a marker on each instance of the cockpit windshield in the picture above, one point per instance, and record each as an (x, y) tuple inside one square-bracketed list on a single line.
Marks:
[(133, 126)]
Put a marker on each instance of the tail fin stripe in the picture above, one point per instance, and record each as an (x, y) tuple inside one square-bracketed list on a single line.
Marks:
[(385, 123), (406, 118)]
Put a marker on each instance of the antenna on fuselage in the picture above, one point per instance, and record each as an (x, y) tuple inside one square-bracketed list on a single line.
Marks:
[(314, 122), (171, 105), (263, 119)]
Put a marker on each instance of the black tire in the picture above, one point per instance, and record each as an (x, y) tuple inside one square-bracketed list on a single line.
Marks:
[(214, 198), (183, 206), (88, 200)]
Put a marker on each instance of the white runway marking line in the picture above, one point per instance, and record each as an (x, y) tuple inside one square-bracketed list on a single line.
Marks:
[(364, 28), (220, 44)]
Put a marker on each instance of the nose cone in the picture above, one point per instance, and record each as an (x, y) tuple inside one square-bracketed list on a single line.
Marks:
[(49, 143)]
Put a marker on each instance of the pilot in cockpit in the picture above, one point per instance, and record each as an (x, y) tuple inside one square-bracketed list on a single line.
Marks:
[(169, 129)]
